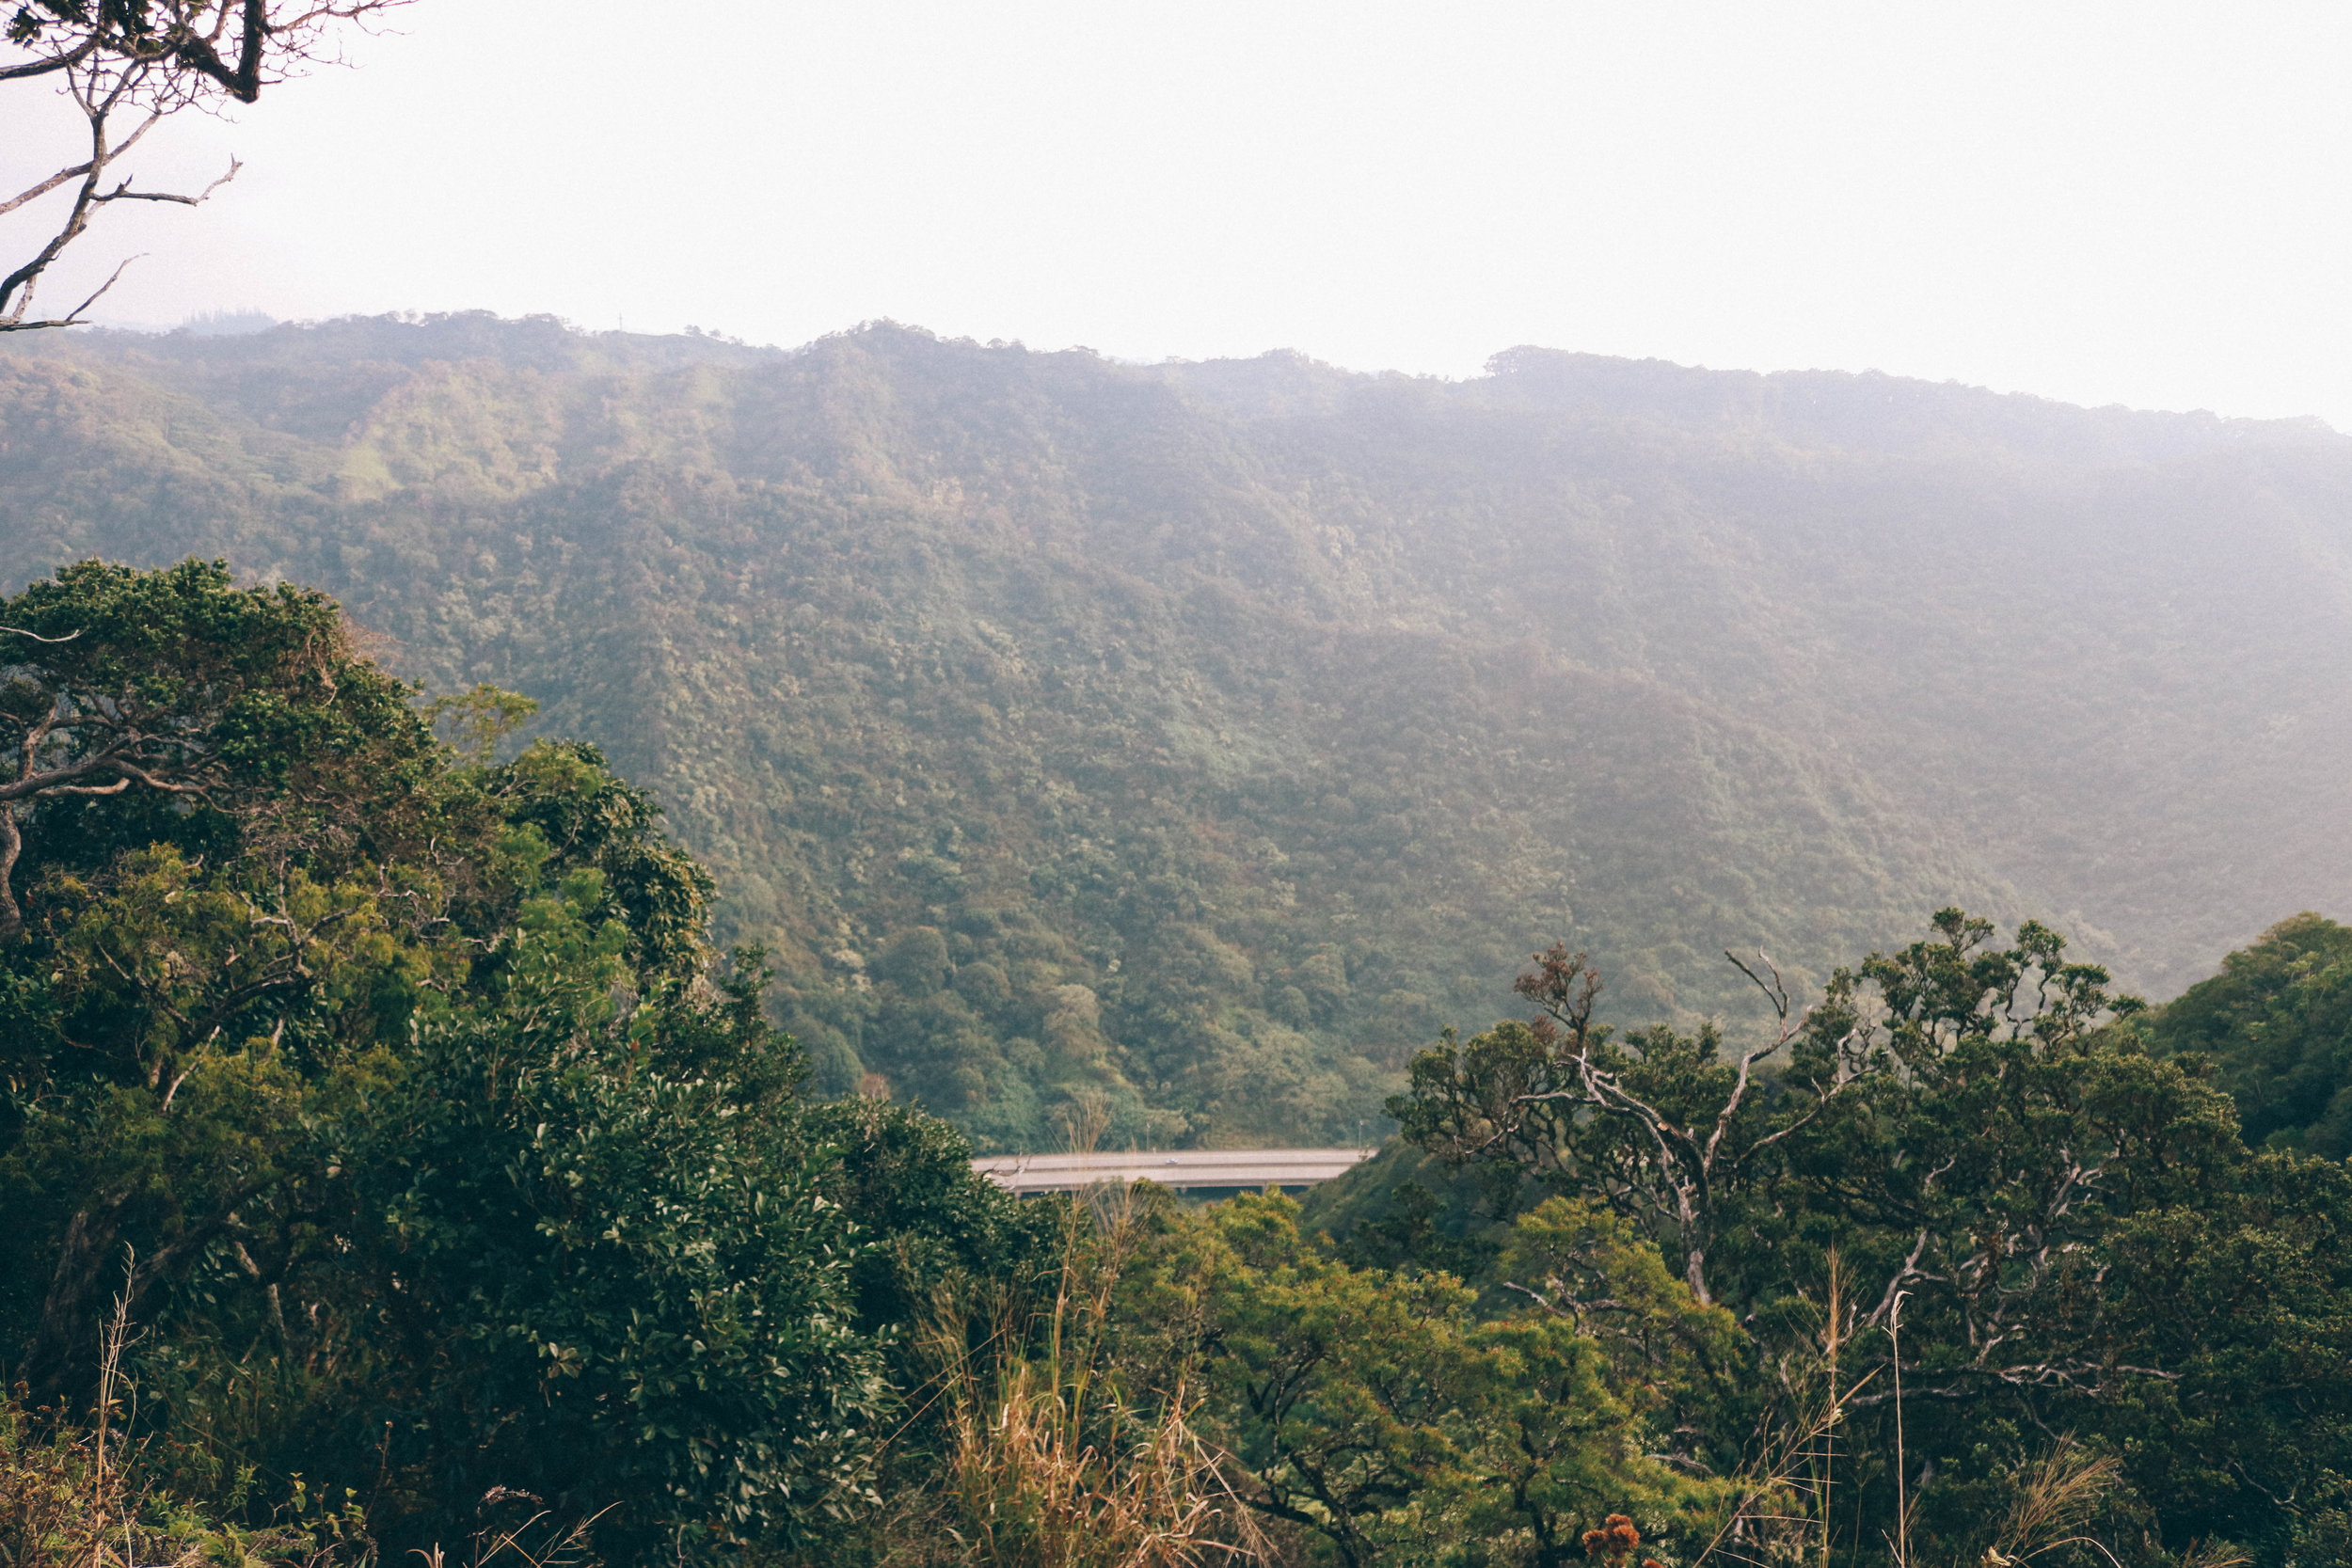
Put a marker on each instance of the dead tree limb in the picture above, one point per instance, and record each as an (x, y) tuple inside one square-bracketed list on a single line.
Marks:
[(154, 59)]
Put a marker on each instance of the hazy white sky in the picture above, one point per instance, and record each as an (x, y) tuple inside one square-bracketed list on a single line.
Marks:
[(2143, 203)]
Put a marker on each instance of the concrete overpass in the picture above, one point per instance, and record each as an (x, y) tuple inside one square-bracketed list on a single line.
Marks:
[(1185, 1169)]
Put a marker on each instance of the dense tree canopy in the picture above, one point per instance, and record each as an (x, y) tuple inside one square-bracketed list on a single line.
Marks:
[(2278, 1023), (228, 704), (1972, 1146), (399, 1072), (374, 1064)]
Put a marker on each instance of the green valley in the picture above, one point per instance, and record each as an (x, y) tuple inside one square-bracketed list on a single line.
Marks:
[(1194, 741)]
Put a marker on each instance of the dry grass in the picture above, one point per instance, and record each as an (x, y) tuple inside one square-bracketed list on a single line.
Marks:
[(2056, 1498), (555, 1546), (71, 1497), (1781, 1514), (64, 1504), (1048, 1473), (1051, 1461)]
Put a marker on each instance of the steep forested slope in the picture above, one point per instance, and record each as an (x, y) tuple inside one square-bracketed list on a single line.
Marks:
[(2277, 1022), (1210, 735)]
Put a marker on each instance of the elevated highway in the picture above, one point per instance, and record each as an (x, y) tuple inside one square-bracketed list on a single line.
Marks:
[(1185, 1169)]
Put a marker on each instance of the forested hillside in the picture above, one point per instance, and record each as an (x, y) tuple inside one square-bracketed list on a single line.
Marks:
[(1209, 735)]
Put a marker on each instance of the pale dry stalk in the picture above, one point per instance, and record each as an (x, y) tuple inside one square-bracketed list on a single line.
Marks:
[(68, 1501), (1051, 1463)]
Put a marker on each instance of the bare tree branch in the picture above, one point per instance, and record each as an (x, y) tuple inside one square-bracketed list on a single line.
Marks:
[(162, 56), (124, 193), (73, 317), (76, 171), (66, 61)]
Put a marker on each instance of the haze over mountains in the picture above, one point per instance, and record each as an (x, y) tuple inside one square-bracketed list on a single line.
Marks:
[(1208, 735)]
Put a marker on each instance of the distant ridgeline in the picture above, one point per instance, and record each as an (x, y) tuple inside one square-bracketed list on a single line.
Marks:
[(1193, 742)]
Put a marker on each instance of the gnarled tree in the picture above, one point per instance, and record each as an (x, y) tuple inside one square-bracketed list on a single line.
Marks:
[(1659, 1126), (1959, 1118), (240, 873), (125, 65), (205, 696)]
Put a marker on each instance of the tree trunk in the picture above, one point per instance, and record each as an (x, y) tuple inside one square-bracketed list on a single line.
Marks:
[(67, 1342), (11, 844)]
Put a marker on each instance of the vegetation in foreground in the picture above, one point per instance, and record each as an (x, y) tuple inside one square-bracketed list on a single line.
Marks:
[(447, 1194)]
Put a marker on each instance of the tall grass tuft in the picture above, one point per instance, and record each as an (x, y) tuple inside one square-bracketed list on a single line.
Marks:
[(76, 1494), (72, 1496), (2057, 1498), (1050, 1469), (1053, 1458)]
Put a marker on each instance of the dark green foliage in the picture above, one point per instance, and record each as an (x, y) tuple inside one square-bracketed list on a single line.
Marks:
[(2079, 1240), (907, 1177), (1436, 1217), (2277, 1024), (2245, 1295), (590, 817), (225, 951), (396, 1100), (606, 1270), (916, 960), (1379, 1413), (207, 701)]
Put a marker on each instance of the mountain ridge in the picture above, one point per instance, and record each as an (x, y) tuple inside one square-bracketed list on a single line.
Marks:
[(1181, 685)]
